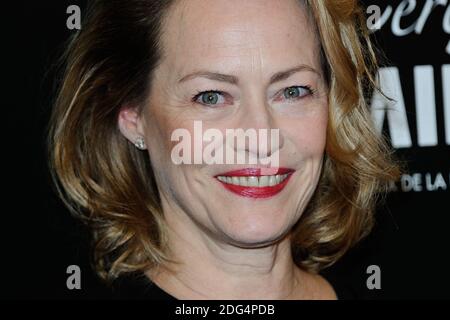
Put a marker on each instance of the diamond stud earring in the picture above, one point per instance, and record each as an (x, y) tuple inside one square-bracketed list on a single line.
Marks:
[(140, 143)]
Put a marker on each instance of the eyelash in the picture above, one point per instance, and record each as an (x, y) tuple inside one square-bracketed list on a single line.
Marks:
[(310, 90)]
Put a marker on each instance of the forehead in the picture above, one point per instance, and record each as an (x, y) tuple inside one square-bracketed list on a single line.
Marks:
[(239, 34)]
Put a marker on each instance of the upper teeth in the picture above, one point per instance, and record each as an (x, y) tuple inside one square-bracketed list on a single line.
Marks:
[(253, 181)]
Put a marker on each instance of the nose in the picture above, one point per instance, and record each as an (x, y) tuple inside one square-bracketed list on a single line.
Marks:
[(257, 130)]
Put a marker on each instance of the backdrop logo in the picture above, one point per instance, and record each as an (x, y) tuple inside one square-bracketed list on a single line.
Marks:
[(378, 18), (237, 146), (421, 181), (394, 110)]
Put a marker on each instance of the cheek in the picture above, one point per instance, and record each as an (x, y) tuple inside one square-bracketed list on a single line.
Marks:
[(159, 129), (308, 134), (170, 176)]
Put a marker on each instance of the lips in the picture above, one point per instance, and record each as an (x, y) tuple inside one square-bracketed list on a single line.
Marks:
[(256, 182)]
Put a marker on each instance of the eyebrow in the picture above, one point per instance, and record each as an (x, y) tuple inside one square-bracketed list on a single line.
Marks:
[(277, 77)]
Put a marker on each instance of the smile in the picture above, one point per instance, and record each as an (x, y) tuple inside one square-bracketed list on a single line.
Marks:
[(251, 183)]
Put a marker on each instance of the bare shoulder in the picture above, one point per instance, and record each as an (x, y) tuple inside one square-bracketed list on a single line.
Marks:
[(319, 287), (324, 288)]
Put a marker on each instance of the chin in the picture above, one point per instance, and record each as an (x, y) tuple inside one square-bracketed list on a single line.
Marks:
[(257, 233)]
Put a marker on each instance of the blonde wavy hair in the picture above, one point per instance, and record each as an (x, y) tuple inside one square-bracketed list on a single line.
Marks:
[(109, 184)]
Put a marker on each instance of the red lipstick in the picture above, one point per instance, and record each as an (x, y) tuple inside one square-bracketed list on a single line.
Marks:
[(257, 192)]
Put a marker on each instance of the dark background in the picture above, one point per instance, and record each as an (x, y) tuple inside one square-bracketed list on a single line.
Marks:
[(39, 238)]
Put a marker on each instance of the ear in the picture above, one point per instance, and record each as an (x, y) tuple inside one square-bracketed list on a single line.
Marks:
[(130, 123)]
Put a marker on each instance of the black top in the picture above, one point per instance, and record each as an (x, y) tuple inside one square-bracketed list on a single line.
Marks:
[(140, 287)]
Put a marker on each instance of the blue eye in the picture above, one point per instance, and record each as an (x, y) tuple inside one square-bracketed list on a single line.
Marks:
[(209, 98), (213, 97), (297, 92)]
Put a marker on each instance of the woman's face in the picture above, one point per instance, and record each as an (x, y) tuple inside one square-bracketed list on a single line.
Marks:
[(251, 41)]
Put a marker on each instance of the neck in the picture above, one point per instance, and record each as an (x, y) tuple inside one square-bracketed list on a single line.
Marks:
[(211, 268)]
